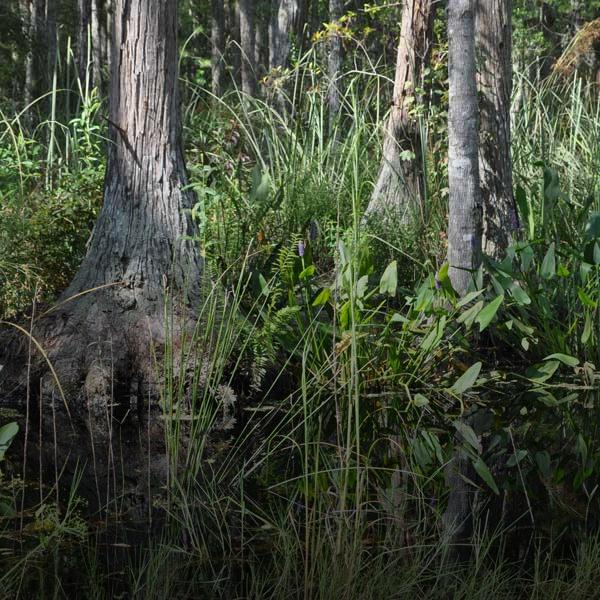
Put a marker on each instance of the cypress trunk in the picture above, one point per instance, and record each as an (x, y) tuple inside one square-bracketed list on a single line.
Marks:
[(108, 327), (247, 44), (465, 210), (217, 38), (465, 216), (494, 46), (400, 184)]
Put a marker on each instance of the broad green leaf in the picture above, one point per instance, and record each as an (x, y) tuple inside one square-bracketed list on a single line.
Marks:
[(516, 458), (432, 339), (518, 293), (570, 361), (542, 371), (587, 330), (585, 299), (469, 316), (482, 470), (467, 379), (468, 298), (548, 269), (543, 462), (468, 435), (308, 272), (419, 400), (389, 280), (264, 286), (323, 297), (398, 318), (361, 286), (484, 318), (7, 433)]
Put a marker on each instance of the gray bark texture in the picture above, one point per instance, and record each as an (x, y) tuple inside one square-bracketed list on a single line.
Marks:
[(335, 62), (84, 19), (110, 326), (284, 23), (51, 41), (218, 47), (494, 45), (465, 209), (247, 44), (465, 216), (96, 37), (33, 18), (400, 183)]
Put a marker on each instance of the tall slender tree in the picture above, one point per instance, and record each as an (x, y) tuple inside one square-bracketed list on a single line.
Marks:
[(285, 21), (465, 201), (494, 48), (247, 44), (96, 42), (400, 184), (465, 212), (217, 52)]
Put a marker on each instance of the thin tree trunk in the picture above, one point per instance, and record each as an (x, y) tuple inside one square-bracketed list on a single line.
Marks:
[(33, 16), (335, 62), (108, 37), (233, 42), (465, 216), (494, 47), (247, 43), (400, 184), (84, 16), (51, 41), (284, 24), (96, 37), (218, 47), (261, 42), (465, 210)]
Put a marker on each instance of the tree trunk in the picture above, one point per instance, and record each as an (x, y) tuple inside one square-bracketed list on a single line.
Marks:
[(51, 41), (284, 23), (400, 184), (247, 42), (33, 16), (261, 42), (84, 16), (96, 37), (335, 62), (465, 211), (108, 327), (218, 47), (494, 46), (108, 36)]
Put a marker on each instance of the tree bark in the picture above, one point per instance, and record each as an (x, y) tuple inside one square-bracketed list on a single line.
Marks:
[(247, 44), (218, 47), (261, 42), (109, 325), (284, 24), (465, 214), (335, 62), (494, 46), (400, 185), (51, 41), (33, 17), (96, 41), (84, 16), (465, 210)]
